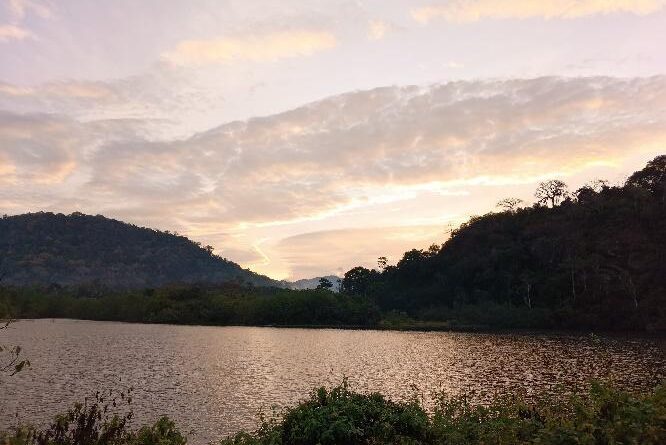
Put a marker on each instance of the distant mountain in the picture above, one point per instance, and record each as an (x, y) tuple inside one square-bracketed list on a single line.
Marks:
[(77, 249), (312, 283)]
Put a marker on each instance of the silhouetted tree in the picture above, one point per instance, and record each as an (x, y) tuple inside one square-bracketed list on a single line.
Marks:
[(324, 284), (597, 262), (652, 177), (356, 281), (551, 192), (509, 204)]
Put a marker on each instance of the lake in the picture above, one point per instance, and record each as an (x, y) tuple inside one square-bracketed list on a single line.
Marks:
[(214, 380)]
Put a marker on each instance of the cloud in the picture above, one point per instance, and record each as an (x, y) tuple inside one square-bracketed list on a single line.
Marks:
[(330, 158), (343, 151), (149, 100), (377, 29), (70, 89), (254, 48), (14, 32), (40, 149), (20, 8), (464, 11)]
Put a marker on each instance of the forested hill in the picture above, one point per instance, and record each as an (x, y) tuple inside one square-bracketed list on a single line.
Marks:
[(594, 257), (77, 249)]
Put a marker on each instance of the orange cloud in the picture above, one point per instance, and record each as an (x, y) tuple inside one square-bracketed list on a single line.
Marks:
[(71, 89), (377, 29), (474, 10), (261, 48)]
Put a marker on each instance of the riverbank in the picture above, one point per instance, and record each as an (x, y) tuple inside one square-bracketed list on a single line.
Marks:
[(412, 326), (246, 306)]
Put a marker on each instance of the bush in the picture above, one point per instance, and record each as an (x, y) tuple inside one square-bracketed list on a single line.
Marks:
[(341, 416), (97, 423)]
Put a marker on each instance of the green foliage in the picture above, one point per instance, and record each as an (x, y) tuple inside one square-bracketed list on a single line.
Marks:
[(341, 416), (97, 422), (227, 304), (324, 284)]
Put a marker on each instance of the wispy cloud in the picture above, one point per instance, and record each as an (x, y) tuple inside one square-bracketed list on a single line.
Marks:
[(17, 11), (344, 152), (253, 48), (14, 32), (473, 10), (20, 8), (70, 89)]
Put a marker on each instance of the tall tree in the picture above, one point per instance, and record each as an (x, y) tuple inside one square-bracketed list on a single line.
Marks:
[(551, 192)]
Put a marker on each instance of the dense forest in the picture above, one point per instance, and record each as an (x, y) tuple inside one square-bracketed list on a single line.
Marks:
[(594, 258), (72, 250), (225, 304)]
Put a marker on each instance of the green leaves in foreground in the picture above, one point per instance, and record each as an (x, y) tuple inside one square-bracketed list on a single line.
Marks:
[(341, 416), (98, 422)]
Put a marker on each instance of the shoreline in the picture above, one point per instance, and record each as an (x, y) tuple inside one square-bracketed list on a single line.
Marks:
[(424, 327)]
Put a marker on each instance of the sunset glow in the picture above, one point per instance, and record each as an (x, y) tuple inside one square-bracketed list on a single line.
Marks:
[(301, 139)]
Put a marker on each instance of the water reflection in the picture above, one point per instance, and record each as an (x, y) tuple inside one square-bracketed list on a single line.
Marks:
[(214, 380)]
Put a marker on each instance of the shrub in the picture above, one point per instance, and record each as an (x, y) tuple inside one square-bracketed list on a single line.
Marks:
[(340, 416)]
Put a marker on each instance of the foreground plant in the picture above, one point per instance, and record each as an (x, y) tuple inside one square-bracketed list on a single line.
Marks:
[(341, 416), (97, 423)]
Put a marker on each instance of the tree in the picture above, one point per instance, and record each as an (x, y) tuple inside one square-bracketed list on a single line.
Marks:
[(509, 204), (652, 177), (551, 192), (324, 284), (356, 281), (382, 263)]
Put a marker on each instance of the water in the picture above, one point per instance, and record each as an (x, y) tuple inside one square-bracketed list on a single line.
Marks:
[(214, 380)]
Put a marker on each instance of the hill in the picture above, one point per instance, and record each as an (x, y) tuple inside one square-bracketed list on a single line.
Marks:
[(55, 249), (594, 258), (312, 283)]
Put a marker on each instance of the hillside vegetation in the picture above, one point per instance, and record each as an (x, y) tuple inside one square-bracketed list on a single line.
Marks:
[(65, 250), (592, 258)]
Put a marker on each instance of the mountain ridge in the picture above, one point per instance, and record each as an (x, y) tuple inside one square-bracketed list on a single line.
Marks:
[(45, 248)]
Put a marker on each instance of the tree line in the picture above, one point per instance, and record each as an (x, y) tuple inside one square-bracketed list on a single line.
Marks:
[(594, 257)]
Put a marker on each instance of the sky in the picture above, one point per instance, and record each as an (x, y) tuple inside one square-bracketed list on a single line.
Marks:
[(302, 138)]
